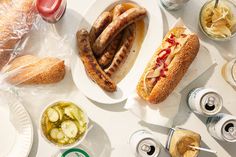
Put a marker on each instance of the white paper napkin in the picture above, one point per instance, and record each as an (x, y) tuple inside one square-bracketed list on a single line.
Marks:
[(163, 114)]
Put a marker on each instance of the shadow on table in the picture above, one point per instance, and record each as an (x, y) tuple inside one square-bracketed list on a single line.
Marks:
[(228, 147), (165, 22), (205, 154), (185, 10), (118, 107), (204, 119), (226, 49), (155, 128), (184, 110), (34, 149), (97, 141), (69, 24)]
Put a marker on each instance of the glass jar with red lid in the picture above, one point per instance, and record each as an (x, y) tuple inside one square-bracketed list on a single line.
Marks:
[(51, 10)]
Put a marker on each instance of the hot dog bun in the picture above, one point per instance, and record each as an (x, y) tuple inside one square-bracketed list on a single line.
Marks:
[(183, 56), (33, 70), (16, 21)]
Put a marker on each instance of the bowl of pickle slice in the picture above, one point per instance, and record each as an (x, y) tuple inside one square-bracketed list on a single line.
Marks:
[(64, 124)]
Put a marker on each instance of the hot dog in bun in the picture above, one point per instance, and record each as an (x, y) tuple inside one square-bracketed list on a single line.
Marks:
[(168, 65)]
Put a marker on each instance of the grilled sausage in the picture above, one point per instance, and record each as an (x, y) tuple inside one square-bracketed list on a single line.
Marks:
[(99, 25), (124, 50), (105, 60), (128, 17), (118, 10), (92, 68)]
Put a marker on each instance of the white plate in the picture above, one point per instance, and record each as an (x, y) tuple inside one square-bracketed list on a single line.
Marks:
[(154, 34), (16, 131)]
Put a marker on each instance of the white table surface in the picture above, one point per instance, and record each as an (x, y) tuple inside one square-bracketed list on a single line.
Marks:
[(113, 125)]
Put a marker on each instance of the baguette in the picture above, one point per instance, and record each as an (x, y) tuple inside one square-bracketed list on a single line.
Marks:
[(30, 70), (168, 65), (16, 20)]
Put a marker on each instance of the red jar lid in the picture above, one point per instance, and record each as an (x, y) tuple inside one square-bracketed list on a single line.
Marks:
[(48, 7)]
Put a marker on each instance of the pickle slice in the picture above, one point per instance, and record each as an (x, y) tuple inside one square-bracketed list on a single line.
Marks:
[(60, 135), (59, 111), (69, 128), (53, 115), (69, 112), (54, 132)]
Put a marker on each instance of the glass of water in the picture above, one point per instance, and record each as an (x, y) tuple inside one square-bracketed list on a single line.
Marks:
[(229, 72)]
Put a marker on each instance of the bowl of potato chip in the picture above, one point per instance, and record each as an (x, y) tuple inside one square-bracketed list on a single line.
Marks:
[(218, 23)]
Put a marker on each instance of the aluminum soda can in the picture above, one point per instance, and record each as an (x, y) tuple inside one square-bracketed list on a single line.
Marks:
[(205, 101), (223, 127), (144, 144), (173, 4)]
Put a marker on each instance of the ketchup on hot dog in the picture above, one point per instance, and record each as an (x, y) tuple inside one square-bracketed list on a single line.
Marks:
[(161, 67)]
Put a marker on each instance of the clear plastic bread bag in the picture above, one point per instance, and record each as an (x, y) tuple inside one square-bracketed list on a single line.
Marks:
[(33, 56)]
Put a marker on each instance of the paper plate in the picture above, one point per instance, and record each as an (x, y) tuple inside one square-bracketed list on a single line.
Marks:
[(16, 131), (153, 37)]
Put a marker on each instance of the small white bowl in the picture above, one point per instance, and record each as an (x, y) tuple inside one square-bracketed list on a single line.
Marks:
[(76, 143)]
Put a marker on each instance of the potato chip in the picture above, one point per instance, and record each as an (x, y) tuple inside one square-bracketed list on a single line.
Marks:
[(218, 22)]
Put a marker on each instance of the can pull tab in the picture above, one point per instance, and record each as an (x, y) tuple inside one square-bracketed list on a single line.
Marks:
[(145, 148), (232, 131), (150, 150), (210, 101)]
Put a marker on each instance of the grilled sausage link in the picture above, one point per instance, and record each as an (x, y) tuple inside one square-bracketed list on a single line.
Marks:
[(128, 17), (99, 25), (94, 71), (118, 10), (105, 60), (124, 50)]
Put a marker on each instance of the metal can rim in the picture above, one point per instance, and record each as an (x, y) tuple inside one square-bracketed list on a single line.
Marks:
[(222, 131), (220, 105)]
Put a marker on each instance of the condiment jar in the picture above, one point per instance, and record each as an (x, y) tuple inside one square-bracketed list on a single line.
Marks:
[(215, 22), (51, 10)]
